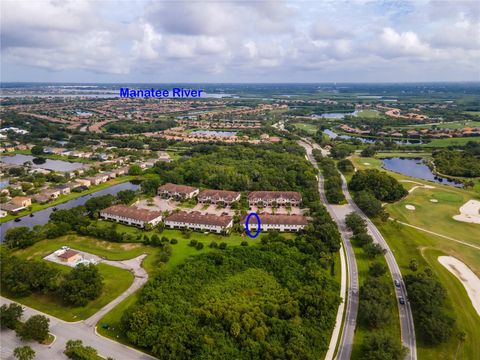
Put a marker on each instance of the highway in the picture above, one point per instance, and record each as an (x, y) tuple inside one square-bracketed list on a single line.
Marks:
[(338, 214)]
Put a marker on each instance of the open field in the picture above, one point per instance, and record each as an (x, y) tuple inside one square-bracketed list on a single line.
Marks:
[(408, 243), (473, 113), (406, 154), (451, 141), (372, 114), (361, 332), (308, 127), (445, 125), (64, 198)]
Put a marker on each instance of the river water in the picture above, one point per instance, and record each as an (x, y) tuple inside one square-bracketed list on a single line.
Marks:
[(365, 140), (41, 217), (42, 163)]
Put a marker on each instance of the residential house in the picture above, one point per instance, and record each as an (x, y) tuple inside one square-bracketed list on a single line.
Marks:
[(83, 182), (221, 197), (52, 193), (197, 221), (276, 222), (69, 256), (98, 179), (177, 191), (270, 198), (64, 189), (24, 201), (131, 215), (9, 207)]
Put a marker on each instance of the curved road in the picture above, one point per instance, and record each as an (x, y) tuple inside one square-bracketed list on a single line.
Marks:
[(338, 214), (406, 320)]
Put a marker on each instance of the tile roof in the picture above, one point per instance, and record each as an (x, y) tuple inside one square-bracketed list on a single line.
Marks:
[(218, 195), (182, 189), (195, 217), (272, 195), (132, 212), (68, 254)]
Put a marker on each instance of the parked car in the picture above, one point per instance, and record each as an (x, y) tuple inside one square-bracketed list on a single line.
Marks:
[(397, 283), (401, 300)]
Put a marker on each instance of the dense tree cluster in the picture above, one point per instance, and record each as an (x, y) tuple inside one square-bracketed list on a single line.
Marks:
[(369, 204), (9, 315), (345, 166), (382, 347), (458, 163), (427, 297), (243, 168), (35, 328), (269, 301), (82, 284), (333, 181), (375, 303), (135, 127), (75, 350), (379, 183)]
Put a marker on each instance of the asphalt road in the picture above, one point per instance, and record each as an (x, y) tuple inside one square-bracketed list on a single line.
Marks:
[(338, 214), (406, 320)]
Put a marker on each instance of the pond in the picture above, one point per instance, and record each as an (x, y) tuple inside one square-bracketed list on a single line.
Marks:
[(42, 163), (334, 115), (41, 217), (416, 168), (214, 133), (365, 140)]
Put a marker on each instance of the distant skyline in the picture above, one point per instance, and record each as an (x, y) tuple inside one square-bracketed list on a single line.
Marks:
[(240, 41)]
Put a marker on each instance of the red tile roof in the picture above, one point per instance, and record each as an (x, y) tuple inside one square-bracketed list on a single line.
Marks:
[(174, 188), (132, 212), (197, 218), (272, 195), (218, 195), (68, 254)]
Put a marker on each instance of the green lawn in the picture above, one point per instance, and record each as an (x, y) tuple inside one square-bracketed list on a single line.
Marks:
[(445, 125), (116, 281), (393, 328), (308, 127), (474, 113), (64, 198), (406, 244), (369, 114), (451, 141)]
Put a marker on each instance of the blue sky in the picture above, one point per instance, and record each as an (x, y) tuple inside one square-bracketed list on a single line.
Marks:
[(241, 41)]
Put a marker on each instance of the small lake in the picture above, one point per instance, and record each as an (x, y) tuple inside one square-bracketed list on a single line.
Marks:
[(41, 217), (214, 133), (416, 168), (334, 115), (365, 140), (42, 163)]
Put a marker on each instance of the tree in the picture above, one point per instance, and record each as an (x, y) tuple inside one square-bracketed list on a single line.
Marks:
[(377, 269), (37, 150), (382, 347), (373, 250), (356, 223), (75, 350), (24, 353), (82, 284), (126, 196), (35, 328), (368, 203), (134, 170), (19, 237), (383, 186), (362, 239), (97, 203), (369, 151), (9, 315), (345, 166), (413, 265)]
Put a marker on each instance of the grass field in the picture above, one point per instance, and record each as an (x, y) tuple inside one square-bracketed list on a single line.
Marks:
[(451, 141), (64, 198), (361, 332), (308, 127), (408, 243), (445, 125), (473, 113), (372, 114)]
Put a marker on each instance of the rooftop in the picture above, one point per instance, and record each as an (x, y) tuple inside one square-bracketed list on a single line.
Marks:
[(132, 212), (197, 218)]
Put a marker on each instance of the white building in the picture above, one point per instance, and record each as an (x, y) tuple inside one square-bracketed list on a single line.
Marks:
[(197, 221), (269, 198), (276, 222), (177, 191), (131, 215)]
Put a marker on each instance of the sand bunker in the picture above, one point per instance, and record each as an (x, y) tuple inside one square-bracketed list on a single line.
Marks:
[(469, 212), (434, 200), (367, 164), (409, 207), (467, 277)]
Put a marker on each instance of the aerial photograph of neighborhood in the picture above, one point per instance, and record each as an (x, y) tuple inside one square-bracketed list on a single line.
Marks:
[(240, 179)]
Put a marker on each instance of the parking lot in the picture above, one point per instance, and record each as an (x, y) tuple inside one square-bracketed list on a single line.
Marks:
[(160, 204)]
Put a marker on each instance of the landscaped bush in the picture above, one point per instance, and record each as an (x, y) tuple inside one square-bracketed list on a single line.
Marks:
[(213, 244), (193, 243), (173, 241), (244, 243), (199, 246), (222, 246)]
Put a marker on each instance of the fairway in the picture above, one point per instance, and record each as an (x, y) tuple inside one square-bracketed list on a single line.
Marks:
[(371, 114), (308, 127), (406, 244)]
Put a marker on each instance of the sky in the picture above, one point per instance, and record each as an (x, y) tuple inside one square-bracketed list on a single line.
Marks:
[(239, 41)]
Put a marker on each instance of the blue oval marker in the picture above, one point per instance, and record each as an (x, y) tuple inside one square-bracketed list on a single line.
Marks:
[(258, 227)]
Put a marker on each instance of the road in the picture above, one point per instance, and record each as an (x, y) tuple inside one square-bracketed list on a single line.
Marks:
[(82, 330), (338, 214), (405, 311)]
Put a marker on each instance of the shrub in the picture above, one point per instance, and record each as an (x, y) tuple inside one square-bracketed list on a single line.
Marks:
[(222, 246), (244, 243), (193, 242), (213, 244), (199, 246), (164, 239), (173, 241)]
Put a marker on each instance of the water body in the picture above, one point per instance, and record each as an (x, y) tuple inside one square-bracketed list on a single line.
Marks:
[(334, 115), (4, 184), (365, 140), (416, 168), (214, 133), (41, 217), (56, 165)]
